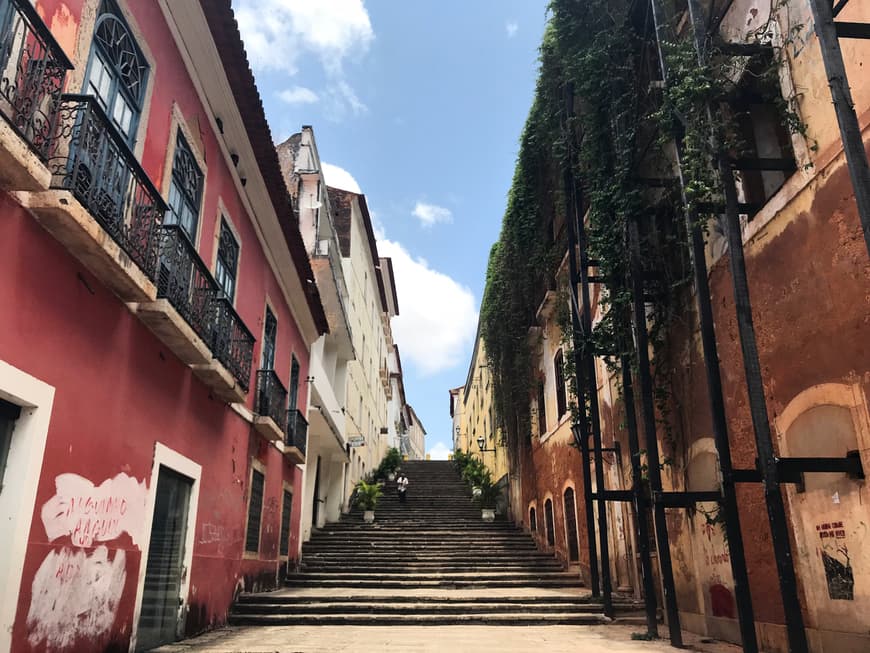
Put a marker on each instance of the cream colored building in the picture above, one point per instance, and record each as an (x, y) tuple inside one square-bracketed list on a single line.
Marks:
[(414, 441), (327, 457), (460, 437), (370, 312)]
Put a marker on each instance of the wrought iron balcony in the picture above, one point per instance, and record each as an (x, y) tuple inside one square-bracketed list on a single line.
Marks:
[(89, 158), (272, 398), (33, 68), (297, 435), (184, 280), (232, 343)]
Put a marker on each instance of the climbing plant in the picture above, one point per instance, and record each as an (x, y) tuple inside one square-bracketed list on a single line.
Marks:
[(622, 128)]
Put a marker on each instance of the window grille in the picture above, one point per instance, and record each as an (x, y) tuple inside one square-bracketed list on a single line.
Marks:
[(226, 269), (185, 190), (269, 334), (117, 71)]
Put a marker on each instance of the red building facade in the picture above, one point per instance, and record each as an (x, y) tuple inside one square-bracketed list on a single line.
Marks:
[(157, 313)]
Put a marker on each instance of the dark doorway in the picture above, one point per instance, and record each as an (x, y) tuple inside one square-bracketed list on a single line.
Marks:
[(548, 518), (571, 525), (315, 501), (164, 571), (533, 520), (8, 414)]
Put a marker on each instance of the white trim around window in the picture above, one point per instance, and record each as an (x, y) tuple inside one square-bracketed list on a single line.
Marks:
[(166, 457), (23, 470)]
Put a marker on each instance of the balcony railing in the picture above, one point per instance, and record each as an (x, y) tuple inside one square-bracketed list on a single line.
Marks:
[(272, 398), (89, 158), (297, 430), (33, 68), (233, 344), (184, 280)]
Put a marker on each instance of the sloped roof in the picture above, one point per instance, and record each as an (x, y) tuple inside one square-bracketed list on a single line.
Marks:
[(225, 32)]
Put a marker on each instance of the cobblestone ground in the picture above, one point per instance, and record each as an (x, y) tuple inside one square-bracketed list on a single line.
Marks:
[(449, 639)]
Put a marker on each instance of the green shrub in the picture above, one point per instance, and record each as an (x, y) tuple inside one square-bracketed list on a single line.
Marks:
[(391, 462), (489, 494), (367, 495)]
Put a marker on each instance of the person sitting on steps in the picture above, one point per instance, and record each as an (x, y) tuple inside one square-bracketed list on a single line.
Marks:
[(402, 486)]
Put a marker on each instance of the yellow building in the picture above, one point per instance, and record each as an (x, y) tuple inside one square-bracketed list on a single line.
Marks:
[(477, 420)]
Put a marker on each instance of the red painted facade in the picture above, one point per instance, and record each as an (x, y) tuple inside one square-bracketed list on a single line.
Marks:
[(119, 390)]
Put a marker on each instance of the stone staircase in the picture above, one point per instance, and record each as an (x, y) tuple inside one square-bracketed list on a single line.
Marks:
[(429, 561)]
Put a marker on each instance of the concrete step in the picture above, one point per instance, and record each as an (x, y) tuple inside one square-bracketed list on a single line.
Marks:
[(418, 619), (385, 567), (341, 561), (442, 583), (450, 608), (438, 597)]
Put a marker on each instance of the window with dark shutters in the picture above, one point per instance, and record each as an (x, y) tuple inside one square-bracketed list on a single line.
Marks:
[(286, 508), (561, 397), (255, 512), (548, 517), (226, 266)]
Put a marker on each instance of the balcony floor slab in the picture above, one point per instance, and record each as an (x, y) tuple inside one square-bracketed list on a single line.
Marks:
[(174, 331), (294, 455), (64, 217), (223, 385), (20, 168), (267, 427)]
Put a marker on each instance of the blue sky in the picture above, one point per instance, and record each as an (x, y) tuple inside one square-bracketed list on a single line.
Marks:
[(420, 104)]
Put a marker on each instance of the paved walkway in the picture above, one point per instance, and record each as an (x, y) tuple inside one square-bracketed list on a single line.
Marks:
[(449, 639)]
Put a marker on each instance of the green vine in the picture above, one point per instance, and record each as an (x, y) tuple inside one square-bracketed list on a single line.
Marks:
[(622, 129)]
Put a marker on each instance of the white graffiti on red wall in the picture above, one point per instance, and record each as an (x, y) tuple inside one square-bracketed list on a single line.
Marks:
[(75, 595), (91, 514)]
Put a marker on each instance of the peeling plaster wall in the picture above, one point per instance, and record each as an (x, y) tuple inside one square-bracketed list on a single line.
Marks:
[(809, 276), (119, 390)]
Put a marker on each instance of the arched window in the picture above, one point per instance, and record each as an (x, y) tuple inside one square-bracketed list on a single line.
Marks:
[(117, 71), (548, 517), (533, 520), (571, 525)]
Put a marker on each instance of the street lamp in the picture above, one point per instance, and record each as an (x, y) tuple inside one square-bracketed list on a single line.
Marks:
[(481, 443)]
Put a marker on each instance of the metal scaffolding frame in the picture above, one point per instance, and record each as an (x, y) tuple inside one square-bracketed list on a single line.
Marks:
[(770, 470), (829, 33)]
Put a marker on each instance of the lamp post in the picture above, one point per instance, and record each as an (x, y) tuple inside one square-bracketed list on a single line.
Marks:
[(481, 443)]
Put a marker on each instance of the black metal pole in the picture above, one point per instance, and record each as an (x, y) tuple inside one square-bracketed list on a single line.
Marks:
[(761, 425), (571, 209), (594, 418), (754, 384), (733, 531), (641, 345), (850, 131), (640, 500)]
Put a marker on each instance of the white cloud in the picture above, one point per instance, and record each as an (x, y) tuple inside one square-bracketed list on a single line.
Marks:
[(439, 451), (339, 178), (277, 32), (298, 95), (511, 28), (437, 318), (342, 99), (431, 214)]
